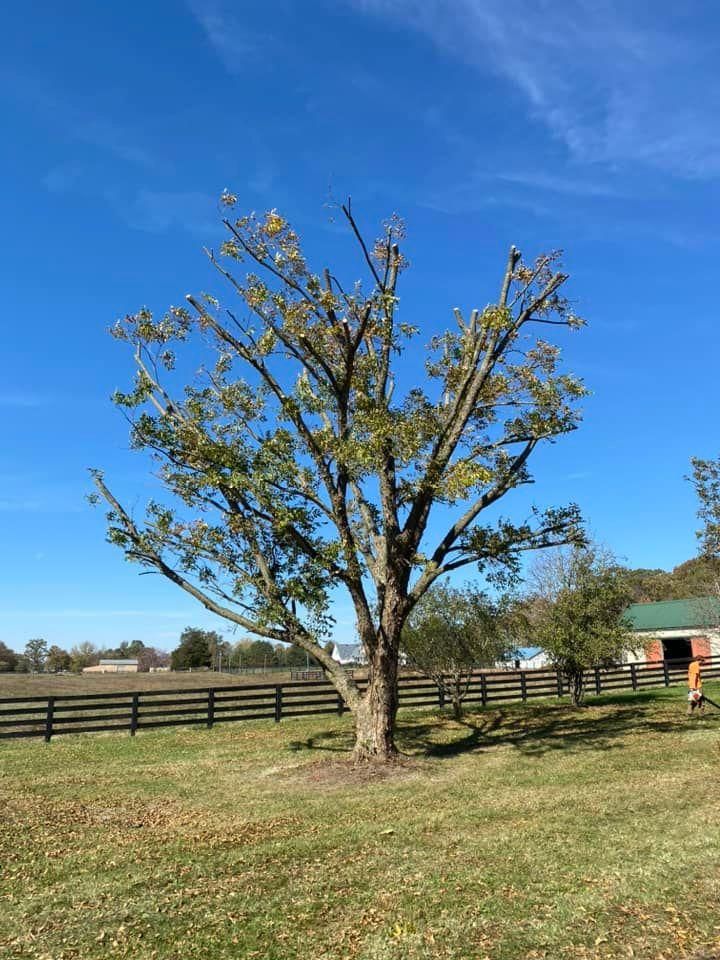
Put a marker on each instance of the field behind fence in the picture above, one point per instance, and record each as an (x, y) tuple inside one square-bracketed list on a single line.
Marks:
[(133, 710)]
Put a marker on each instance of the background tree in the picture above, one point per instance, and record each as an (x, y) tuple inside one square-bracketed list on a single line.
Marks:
[(260, 653), (195, 649), (8, 659), (152, 657), (57, 660), (451, 632), (695, 578), (705, 478), (576, 609), (84, 654), (308, 459), (295, 657), (36, 652)]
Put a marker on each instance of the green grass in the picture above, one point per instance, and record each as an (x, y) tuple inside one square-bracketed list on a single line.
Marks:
[(526, 832)]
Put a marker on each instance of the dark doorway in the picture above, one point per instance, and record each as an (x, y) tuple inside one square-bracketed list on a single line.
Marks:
[(677, 648)]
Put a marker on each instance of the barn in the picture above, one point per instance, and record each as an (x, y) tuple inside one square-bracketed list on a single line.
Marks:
[(675, 629), (114, 666)]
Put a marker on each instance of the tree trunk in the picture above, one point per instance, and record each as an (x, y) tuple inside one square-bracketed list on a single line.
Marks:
[(577, 689), (457, 697), (375, 713)]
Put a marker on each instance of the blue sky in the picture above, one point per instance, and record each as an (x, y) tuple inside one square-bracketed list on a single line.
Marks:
[(587, 126)]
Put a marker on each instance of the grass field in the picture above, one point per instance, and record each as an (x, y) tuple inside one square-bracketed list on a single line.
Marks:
[(48, 684), (528, 832)]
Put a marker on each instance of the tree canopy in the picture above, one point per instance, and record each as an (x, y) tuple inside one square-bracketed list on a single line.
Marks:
[(197, 649), (453, 631), (303, 460), (576, 610)]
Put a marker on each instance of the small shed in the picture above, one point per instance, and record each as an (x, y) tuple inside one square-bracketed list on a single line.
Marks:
[(114, 666), (675, 629)]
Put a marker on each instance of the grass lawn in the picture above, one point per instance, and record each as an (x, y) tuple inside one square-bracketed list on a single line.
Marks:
[(59, 684), (527, 832)]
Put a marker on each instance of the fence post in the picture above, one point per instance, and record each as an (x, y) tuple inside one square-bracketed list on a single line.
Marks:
[(49, 719), (340, 704), (278, 702), (598, 681), (483, 689), (523, 686), (134, 710), (666, 673), (633, 676), (211, 707), (559, 682), (441, 697)]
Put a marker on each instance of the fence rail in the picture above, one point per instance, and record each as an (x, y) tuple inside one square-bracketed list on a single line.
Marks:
[(50, 716)]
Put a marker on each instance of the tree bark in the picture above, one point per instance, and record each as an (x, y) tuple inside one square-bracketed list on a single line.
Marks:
[(375, 713), (577, 689)]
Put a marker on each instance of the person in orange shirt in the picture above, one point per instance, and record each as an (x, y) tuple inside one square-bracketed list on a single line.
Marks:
[(696, 701)]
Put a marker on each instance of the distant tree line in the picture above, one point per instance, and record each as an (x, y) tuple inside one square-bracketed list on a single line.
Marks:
[(200, 649), (38, 657), (197, 649)]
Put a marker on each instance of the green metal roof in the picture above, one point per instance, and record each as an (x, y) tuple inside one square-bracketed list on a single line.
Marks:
[(675, 614)]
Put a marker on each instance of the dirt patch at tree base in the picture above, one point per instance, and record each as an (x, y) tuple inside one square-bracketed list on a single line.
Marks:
[(348, 772)]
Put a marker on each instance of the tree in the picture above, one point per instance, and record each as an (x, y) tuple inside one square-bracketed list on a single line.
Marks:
[(57, 660), (451, 632), (195, 650), (8, 659), (706, 480), (36, 652), (84, 654), (307, 460), (577, 612), (152, 657), (260, 653), (695, 578), (297, 656)]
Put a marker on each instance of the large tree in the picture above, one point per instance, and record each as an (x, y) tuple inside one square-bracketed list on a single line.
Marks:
[(577, 612), (57, 660), (197, 648), (307, 459), (36, 652)]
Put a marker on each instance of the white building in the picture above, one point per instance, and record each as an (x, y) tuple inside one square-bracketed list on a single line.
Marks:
[(349, 653), (114, 666)]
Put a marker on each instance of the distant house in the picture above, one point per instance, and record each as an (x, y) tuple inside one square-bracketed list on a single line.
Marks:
[(531, 658), (113, 666), (526, 658), (675, 629), (348, 654)]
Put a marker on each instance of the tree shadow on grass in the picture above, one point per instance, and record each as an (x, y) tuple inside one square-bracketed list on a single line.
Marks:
[(540, 729), (335, 741), (533, 729)]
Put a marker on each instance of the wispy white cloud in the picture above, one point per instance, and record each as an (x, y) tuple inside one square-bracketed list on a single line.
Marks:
[(555, 183), (228, 33), (76, 118), (158, 210), (617, 83), (64, 178)]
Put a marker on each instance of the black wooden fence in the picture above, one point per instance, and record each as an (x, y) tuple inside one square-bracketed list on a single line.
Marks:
[(47, 717)]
